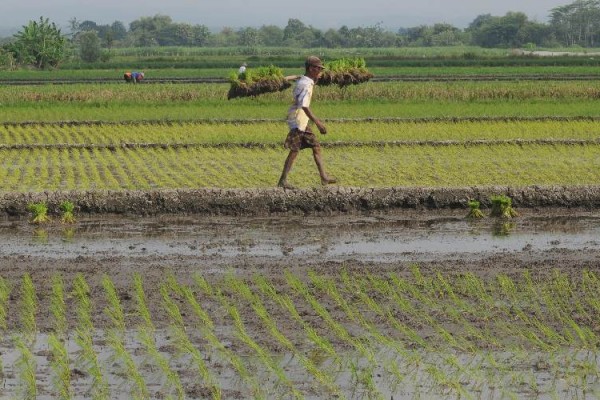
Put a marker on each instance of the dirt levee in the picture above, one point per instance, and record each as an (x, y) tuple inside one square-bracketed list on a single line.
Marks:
[(275, 200)]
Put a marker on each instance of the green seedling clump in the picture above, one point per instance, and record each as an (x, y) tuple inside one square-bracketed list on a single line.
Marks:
[(67, 209), (256, 81), (502, 207), (40, 213), (474, 211), (344, 72)]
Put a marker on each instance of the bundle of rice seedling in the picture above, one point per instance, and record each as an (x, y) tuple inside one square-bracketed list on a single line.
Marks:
[(40, 212), (474, 211), (344, 72), (67, 207), (256, 81), (502, 207)]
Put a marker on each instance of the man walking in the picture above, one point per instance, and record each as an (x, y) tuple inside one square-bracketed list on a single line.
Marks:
[(299, 115)]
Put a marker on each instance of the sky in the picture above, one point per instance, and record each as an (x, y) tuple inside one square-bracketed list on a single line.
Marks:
[(216, 14)]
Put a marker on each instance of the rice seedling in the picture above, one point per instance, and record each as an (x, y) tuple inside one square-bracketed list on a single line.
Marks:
[(361, 344), (352, 131), (535, 330), (28, 308), (26, 365), (139, 389), (4, 296), (185, 346), (382, 286), (458, 311), (322, 343), (401, 286), (264, 356), (373, 166), (590, 286), (474, 211), (114, 310), (67, 208), (115, 339), (324, 378), (344, 72), (84, 331), (338, 329), (40, 213), (502, 207), (357, 288), (256, 81), (146, 332), (443, 380), (206, 325), (237, 362), (361, 289), (58, 307), (59, 364)]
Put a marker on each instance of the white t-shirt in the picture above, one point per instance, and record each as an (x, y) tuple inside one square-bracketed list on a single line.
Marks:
[(297, 118)]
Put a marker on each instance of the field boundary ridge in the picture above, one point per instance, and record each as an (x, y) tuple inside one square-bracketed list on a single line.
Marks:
[(262, 201)]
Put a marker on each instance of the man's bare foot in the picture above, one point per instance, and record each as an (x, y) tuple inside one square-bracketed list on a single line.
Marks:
[(328, 181), (285, 185)]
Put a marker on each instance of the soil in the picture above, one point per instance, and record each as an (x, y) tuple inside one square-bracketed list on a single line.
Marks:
[(377, 242), (270, 201)]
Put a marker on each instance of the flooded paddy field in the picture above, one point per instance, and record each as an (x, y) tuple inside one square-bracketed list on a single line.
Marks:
[(397, 304), (385, 237)]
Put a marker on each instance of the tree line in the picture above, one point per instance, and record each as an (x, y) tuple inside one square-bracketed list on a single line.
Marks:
[(577, 23), (574, 24)]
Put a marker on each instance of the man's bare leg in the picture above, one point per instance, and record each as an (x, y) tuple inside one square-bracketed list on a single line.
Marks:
[(287, 166), (325, 179)]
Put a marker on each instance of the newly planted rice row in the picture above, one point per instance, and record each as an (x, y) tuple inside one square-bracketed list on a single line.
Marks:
[(387, 166), (348, 340), (274, 132)]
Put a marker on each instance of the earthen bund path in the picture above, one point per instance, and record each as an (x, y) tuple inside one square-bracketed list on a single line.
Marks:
[(264, 201)]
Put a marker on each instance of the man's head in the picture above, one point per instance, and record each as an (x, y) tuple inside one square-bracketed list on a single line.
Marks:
[(313, 66)]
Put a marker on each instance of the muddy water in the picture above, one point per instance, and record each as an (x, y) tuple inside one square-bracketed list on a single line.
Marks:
[(400, 236)]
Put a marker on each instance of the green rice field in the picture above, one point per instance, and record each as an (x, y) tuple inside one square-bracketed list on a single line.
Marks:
[(381, 134), (137, 324), (347, 335)]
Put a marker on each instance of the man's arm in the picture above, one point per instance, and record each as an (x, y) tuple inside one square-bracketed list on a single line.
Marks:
[(314, 119)]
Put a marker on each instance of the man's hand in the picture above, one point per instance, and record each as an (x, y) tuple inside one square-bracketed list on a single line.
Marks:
[(314, 119), (321, 127)]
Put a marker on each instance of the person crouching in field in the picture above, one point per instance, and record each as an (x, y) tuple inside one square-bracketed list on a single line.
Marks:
[(133, 77), (300, 135)]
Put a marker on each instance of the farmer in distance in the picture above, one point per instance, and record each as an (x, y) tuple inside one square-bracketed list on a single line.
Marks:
[(242, 69), (299, 115), (133, 77)]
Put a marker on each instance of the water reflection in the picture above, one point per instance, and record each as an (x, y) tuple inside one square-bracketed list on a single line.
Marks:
[(68, 234), (503, 228), (40, 236), (385, 235)]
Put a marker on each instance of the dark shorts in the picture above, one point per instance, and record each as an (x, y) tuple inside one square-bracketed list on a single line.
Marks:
[(297, 140)]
